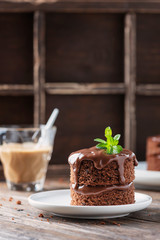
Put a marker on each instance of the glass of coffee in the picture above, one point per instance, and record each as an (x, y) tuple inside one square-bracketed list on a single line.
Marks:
[(25, 154)]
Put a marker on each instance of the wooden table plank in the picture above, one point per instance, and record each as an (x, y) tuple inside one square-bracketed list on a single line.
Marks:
[(23, 221)]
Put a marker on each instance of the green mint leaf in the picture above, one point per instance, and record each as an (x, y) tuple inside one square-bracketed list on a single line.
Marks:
[(112, 141), (108, 140), (116, 142), (117, 137), (115, 150), (108, 132), (109, 149), (101, 146), (100, 140), (111, 144), (119, 148)]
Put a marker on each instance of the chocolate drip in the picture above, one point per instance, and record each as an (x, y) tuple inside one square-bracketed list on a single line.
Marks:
[(92, 190), (100, 160)]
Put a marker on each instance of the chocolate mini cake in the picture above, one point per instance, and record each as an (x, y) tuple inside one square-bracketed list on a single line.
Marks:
[(99, 178), (153, 153)]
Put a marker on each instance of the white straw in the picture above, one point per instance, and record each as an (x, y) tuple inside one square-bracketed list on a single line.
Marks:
[(49, 123), (52, 119)]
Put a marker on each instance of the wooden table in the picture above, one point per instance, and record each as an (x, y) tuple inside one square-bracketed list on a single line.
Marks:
[(24, 222)]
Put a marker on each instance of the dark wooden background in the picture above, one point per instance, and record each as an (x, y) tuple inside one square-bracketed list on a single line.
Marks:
[(98, 62)]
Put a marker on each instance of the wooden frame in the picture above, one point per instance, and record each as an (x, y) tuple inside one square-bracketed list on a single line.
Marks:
[(130, 79), (39, 88), (118, 6)]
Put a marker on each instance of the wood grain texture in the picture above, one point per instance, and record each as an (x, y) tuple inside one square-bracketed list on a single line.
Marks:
[(84, 43), (148, 119), (148, 48), (130, 80), (23, 222), (92, 50), (86, 88), (120, 6), (148, 89), (14, 110), (39, 67), (16, 89), (16, 48), (151, 6), (82, 119)]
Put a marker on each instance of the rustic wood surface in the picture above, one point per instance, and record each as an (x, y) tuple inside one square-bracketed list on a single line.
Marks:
[(23, 221), (15, 104), (92, 51), (39, 67), (130, 80), (84, 118), (68, 50), (16, 48), (151, 6), (144, 120), (148, 89), (86, 88), (16, 89), (148, 48)]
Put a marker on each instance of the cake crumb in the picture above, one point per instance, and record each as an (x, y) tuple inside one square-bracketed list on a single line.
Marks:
[(117, 224), (1, 205), (10, 199), (41, 215), (18, 202), (12, 218), (28, 214), (102, 223)]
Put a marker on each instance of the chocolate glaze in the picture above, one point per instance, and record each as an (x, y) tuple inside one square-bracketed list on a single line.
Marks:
[(100, 159), (92, 190)]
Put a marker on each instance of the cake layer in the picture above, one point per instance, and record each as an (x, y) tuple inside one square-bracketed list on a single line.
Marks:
[(94, 166), (103, 195), (153, 162), (153, 146), (153, 153), (109, 175)]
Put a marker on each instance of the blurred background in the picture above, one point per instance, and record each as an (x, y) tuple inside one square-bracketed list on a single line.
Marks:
[(98, 62)]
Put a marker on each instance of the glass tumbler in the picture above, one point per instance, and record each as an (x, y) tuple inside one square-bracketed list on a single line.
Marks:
[(25, 154)]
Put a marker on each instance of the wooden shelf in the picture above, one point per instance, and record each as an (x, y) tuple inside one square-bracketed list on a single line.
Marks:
[(16, 89), (87, 88), (122, 6), (121, 60), (148, 89), (130, 80)]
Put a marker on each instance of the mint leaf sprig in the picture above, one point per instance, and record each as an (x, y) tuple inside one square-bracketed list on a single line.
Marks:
[(111, 144)]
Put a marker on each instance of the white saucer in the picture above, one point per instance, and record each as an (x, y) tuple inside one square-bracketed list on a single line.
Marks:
[(145, 178), (58, 202)]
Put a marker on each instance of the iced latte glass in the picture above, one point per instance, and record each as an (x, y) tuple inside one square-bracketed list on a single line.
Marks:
[(25, 154)]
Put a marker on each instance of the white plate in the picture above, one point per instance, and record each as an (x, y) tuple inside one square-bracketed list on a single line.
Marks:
[(146, 178), (58, 202)]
